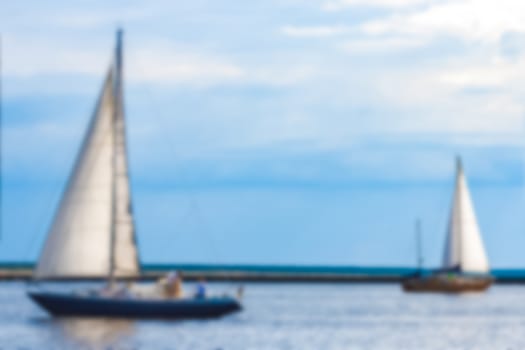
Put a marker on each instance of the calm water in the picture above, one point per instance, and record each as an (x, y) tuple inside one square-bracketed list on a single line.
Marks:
[(290, 316)]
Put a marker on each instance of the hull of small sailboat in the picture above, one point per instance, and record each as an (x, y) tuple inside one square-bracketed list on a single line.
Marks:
[(443, 283), (71, 305)]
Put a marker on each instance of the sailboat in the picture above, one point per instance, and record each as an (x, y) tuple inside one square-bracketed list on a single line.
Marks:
[(465, 265), (93, 231)]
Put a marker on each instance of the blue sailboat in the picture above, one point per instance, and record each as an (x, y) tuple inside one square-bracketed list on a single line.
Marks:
[(93, 231), (79, 305)]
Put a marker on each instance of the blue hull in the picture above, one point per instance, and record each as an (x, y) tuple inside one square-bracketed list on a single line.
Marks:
[(62, 304)]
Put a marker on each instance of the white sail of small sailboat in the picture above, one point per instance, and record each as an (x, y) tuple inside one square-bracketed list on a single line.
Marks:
[(465, 264), (93, 234), (464, 248)]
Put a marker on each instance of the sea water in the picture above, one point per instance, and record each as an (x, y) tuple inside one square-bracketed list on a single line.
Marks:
[(288, 316)]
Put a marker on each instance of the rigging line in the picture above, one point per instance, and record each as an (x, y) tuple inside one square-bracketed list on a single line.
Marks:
[(115, 112), (193, 200), (1, 149), (194, 212), (419, 245), (123, 145), (170, 144), (447, 209), (212, 246), (459, 179), (205, 232)]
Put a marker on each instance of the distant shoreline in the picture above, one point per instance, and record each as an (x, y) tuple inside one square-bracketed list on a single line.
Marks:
[(270, 273)]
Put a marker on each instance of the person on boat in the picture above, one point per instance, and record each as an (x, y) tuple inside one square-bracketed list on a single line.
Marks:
[(240, 292), (173, 285), (111, 290), (122, 292), (200, 291)]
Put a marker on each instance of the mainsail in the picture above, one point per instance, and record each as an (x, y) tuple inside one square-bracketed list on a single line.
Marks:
[(464, 247), (93, 232)]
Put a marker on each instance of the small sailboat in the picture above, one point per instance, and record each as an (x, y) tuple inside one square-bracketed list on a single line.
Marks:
[(465, 264), (93, 232)]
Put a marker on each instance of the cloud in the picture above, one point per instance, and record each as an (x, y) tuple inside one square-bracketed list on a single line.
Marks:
[(304, 98), (159, 62), (473, 88), (79, 16), (381, 45), (152, 63), (313, 31), (512, 45), (371, 77), (336, 5), (471, 20), (486, 76), (166, 64), (437, 100)]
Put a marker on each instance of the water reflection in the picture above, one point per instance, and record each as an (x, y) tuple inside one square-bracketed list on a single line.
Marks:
[(290, 316), (97, 333)]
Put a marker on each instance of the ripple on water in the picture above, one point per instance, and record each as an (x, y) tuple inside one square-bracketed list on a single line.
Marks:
[(290, 316)]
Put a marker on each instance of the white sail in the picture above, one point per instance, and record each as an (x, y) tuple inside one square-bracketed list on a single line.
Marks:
[(93, 232), (126, 260), (464, 247)]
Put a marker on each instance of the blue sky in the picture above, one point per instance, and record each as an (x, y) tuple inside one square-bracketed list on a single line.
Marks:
[(289, 131)]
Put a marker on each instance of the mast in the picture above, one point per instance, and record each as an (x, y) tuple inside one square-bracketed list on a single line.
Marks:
[(419, 246), (459, 172), (116, 111), (1, 130)]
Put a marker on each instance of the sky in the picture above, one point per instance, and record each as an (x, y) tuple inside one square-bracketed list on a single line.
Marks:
[(276, 131)]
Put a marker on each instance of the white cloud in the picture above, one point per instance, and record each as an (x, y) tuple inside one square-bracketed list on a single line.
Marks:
[(336, 5), (480, 20), (313, 31), (323, 98), (25, 57), (477, 77), (78, 16), (158, 63), (168, 65), (474, 90), (381, 45), (489, 72), (454, 99), (93, 19)]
